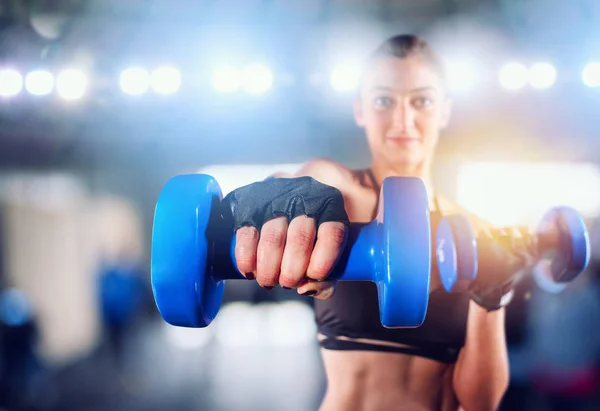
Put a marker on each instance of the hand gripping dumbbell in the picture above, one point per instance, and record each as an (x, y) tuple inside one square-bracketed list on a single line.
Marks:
[(193, 251), (564, 244)]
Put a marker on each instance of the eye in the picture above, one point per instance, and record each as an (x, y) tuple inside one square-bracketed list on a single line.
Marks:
[(422, 102), (383, 102)]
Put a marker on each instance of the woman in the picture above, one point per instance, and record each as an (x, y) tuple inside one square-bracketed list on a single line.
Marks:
[(458, 357)]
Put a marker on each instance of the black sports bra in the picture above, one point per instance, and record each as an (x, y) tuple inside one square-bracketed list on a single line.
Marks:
[(351, 317)]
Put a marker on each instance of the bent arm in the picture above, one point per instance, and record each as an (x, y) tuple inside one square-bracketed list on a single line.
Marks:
[(481, 374)]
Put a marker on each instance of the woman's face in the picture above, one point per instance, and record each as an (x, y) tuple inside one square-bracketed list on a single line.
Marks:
[(402, 107)]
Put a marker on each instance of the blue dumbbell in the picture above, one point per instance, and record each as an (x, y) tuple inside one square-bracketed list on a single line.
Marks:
[(563, 240), (193, 252), (460, 259)]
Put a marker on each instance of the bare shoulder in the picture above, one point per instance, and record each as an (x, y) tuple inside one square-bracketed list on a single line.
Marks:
[(327, 172), (478, 223)]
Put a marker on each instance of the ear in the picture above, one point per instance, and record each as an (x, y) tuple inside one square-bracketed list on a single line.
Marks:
[(446, 113), (358, 112)]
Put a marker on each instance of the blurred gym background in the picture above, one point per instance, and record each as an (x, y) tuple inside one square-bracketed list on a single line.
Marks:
[(102, 101)]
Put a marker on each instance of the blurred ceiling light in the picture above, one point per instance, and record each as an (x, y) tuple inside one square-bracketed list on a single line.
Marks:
[(165, 80), (39, 82), (591, 74), (257, 79), (135, 81), (226, 79), (542, 75), (71, 84), (513, 76), (11, 82), (345, 77)]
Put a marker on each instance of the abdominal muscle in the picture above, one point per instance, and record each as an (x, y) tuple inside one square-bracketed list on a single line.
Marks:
[(373, 381)]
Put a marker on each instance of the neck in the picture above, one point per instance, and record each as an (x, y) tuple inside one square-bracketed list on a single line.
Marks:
[(422, 171)]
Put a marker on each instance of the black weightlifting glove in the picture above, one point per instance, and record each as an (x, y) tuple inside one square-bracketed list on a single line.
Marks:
[(255, 204), (504, 256)]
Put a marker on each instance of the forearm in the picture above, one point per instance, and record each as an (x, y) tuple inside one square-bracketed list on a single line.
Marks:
[(481, 374)]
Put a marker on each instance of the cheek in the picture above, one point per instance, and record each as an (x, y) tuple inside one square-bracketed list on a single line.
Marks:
[(377, 121), (428, 124)]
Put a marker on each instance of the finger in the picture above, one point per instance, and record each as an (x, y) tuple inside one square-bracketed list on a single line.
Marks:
[(522, 231), (527, 244), (514, 236), (270, 251), (502, 236), (485, 234), (331, 239), (529, 235), (521, 236), (246, 241), (298, 248), (506, 231), (513, 232), (321, 290)]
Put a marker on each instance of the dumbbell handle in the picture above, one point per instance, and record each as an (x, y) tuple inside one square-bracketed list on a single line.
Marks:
[(549, 241), (356, 261)]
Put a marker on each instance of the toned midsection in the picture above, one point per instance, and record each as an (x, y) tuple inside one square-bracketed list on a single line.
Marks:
[(373, 381)]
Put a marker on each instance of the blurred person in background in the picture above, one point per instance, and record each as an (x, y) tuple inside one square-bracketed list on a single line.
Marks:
[(123, 292), (458, 357)]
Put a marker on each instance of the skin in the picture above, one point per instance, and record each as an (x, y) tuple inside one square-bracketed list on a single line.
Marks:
[(402, 106)]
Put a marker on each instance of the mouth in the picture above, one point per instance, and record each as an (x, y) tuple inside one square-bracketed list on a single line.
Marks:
[(403, 140)]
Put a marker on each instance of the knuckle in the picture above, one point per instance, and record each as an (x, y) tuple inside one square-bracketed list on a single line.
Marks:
[(334, 234), (245, 249), (302, 239), (246, 235), (272, 237), (245, 256)]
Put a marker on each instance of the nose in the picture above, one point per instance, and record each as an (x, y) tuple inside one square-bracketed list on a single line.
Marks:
[(404, 117)]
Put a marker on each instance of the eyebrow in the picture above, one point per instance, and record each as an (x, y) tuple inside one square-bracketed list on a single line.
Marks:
[(385, 88)]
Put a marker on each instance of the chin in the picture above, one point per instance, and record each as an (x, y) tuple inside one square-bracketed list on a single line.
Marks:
[(404, 159)]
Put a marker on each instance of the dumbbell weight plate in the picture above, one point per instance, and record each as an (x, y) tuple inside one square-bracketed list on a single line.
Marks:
[(180, 248), (573, 254), (404, 287), (457, 260)]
